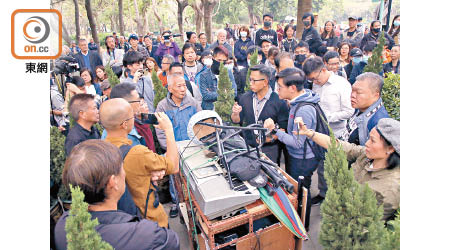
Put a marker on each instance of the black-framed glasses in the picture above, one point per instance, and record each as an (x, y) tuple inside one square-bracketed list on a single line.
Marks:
[(127, 120), (141, 100), (317, 77), (256, 80)]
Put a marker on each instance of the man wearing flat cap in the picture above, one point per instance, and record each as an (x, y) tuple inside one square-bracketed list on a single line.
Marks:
[(352, 35)]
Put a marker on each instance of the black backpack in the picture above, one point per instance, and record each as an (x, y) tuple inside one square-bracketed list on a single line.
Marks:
[(321, 127), (126, 202)]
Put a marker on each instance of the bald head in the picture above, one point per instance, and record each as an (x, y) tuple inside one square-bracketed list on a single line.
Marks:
[(286, 62), (113, 112)]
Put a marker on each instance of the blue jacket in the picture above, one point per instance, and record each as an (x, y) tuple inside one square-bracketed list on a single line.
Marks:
[(294, 144), (135, 138), (98, 90), (240, 51), (178, 115), (208, 87), (368, 120), (357, 70)]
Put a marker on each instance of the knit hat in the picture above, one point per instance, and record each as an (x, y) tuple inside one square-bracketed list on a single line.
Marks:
[(389, 129)]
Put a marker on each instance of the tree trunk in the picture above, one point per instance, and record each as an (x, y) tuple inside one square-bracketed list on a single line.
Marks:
[(65, 35), (138, 20), (208, 6), (303, 7), (198, 10), (181, 4), (92, 24), (158, 18), (111, 19), (251, 14), (144, 17), (77, 21), (121, 28)]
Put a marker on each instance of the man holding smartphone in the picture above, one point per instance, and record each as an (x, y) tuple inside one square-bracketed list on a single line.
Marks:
[(134, 61)]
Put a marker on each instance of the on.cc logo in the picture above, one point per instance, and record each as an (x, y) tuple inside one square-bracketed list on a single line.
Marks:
[(39, 26)]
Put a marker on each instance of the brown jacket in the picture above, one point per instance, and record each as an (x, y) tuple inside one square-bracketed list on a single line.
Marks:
[(138, 164), (384, 182)]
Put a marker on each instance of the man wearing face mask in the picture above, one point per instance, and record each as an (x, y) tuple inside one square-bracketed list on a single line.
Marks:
[(209, 78), (241, 47), (355, 57), (358, 69), (310, 34), (266, 32), (374, 34), (301, 51)]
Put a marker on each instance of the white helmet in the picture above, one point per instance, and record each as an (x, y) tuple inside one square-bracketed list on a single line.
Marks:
[(200, 116)]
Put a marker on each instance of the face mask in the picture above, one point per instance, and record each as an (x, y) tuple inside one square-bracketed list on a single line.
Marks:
[(215, 67), (365, 58), (376, 30), (267, 24), (397, 23), (208, 62), (357, 60), (166, 41), (229, 66), (243, 34), (306, 23), (300, 58)]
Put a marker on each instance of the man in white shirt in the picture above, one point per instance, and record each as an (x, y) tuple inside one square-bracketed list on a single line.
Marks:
[(334, 92)]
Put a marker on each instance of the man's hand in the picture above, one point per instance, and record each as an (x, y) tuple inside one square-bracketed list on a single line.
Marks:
[(164, 122), (236, 108), (302, 129), (156, 176), (269, 124), (137, 75), (73, 88)]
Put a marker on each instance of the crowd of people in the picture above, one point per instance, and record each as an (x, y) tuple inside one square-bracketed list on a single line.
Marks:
[(293, 81)]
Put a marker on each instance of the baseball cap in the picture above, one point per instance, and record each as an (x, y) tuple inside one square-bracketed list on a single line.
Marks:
[(355, 52), (352, 17), (133, 36)]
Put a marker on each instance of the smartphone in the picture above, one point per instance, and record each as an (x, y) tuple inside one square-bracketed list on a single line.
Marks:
[(149, 118)]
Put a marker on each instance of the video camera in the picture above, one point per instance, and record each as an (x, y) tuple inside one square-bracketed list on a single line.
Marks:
[(65, 65), (167, 37)]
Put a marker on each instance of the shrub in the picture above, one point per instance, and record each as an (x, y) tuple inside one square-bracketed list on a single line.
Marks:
[(225, 99), (391, 95), (81, 233)]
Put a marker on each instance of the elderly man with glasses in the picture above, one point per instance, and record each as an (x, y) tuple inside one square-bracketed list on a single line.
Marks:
[(179, 107)]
